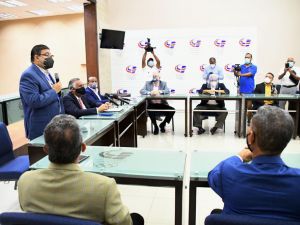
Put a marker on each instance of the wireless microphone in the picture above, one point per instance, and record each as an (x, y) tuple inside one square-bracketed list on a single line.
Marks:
[(57, 80)]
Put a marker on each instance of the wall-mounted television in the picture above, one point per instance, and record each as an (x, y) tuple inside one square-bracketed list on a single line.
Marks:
[(112, 39)]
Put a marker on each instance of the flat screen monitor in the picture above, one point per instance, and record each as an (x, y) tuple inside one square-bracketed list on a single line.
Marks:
[(112, 39)]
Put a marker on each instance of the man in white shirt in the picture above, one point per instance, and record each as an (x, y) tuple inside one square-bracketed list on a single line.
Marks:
[(150, 67), (212, 68), (289, 77)]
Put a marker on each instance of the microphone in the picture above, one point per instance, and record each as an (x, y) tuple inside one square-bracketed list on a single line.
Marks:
[(56, 77), (110, 99)]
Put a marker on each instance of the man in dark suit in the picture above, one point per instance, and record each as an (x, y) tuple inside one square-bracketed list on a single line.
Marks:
[(213, 87), (39, 92), (92, 93), (266, 187), (155, 88), (268, 88), (76, 104)]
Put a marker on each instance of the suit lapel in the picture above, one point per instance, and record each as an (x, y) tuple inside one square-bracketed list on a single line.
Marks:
[(41, 75), (75, 100)]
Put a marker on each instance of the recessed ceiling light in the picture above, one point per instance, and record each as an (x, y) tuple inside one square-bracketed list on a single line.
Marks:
[(7, 16), (7, 4), (39, 12), (76, 8), (16, 3)]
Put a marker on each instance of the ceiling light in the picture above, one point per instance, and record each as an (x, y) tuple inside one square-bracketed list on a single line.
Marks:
[(76, 8), (7, 4), (39, 12), (16, 3), (7, 16), (58, 1)]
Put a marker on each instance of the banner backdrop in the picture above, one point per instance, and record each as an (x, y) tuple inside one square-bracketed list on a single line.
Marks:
[(183, 54)]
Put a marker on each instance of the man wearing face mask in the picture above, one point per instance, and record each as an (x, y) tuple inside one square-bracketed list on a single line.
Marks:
[(75, 101), (266, 186), (150, 67), (93, 94), (39, 92), (289, 77), (213, 68), (268, 88), (154, 88), (213, 87), (246, 80)]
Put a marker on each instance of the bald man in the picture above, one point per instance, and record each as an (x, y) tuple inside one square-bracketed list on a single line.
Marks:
[(289, 77), (92, 93)]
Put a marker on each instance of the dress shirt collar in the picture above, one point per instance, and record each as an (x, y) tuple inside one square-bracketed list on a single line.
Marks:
[(265, 159), (43, 70), (69, 166)]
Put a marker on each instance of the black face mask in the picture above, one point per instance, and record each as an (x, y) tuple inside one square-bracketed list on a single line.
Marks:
[(248, 145), (80, 91), (48, 63)]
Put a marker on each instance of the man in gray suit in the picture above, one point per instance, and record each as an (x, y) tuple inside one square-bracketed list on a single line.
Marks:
[(156, 87)]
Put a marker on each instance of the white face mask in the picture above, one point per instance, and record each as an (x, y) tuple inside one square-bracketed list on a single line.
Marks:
[(213, 84), (267, 80), (247, 60), (212, 66), (150, 63), (291, 64)]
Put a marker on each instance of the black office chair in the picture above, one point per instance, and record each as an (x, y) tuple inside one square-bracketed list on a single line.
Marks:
[(172, 121), (223, 219)]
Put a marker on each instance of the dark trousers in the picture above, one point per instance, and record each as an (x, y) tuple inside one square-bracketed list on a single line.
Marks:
[(199, 116), (137, 219), (154, 114)]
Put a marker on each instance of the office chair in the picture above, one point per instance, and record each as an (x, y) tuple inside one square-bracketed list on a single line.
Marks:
[(222, 219), (19, 218), (11, 167)]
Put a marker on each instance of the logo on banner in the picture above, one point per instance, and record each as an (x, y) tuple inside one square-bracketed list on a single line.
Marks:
[(180, 68), (245, 42), (195, 43), (228, 67), (170, 44), (220, 43), (131, 69), (142, 44), (202, 67)]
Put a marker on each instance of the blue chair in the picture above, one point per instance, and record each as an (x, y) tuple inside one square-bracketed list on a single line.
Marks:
[(11, 167), (223, 219), (14, 218)]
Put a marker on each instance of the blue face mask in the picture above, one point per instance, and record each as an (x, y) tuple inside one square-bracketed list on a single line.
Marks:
[(247, 60), (94, 85), (291, 64), (150, 63)]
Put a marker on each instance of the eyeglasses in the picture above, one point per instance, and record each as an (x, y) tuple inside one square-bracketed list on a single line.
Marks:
[(47, 55)]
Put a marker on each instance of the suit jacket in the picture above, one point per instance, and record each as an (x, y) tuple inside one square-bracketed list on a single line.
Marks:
[(260, 89), (163, 89), (68, 191), (93, 99), (220, 86), (265, 188), (72, 106), (40, 102)]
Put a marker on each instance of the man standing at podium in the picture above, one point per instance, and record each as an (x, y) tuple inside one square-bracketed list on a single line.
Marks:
[(39, 92)]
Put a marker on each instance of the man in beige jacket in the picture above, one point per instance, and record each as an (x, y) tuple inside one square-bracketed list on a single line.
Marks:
[(64, 189)]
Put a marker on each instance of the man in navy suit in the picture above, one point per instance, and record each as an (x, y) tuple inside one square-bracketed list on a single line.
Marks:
[(92, 93), (39, 92), (266, 187), (75, 101)]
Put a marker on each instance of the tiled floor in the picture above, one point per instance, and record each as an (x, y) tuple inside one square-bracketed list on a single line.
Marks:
[(157, 204)]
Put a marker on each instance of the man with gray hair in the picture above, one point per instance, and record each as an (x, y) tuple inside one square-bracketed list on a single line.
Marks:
[(64, 189), (212, 87), (266, 187)]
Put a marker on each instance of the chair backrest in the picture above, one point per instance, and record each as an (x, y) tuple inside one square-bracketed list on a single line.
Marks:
[(6, 147), (18, 218), (221, 219)]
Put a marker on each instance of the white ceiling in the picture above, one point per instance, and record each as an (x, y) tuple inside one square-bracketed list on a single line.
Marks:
[(52, 7)]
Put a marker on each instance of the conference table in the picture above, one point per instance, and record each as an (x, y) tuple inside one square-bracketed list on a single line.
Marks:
[(278, 97), (11, 109), (238, 111), (125, 124), (203, 162), (100, 133), (176, 97), (135, 166)]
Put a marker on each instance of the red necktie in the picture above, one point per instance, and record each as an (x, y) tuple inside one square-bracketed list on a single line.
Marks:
[(81, 103)]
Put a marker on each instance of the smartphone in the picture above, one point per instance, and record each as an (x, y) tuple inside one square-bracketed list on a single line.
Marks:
[(82, 158)]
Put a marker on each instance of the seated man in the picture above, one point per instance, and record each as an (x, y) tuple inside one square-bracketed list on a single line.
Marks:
[(76, 104), (92, 93), (268, 88), (266, 187), (64, 189), (212, 87), (155, 88)]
